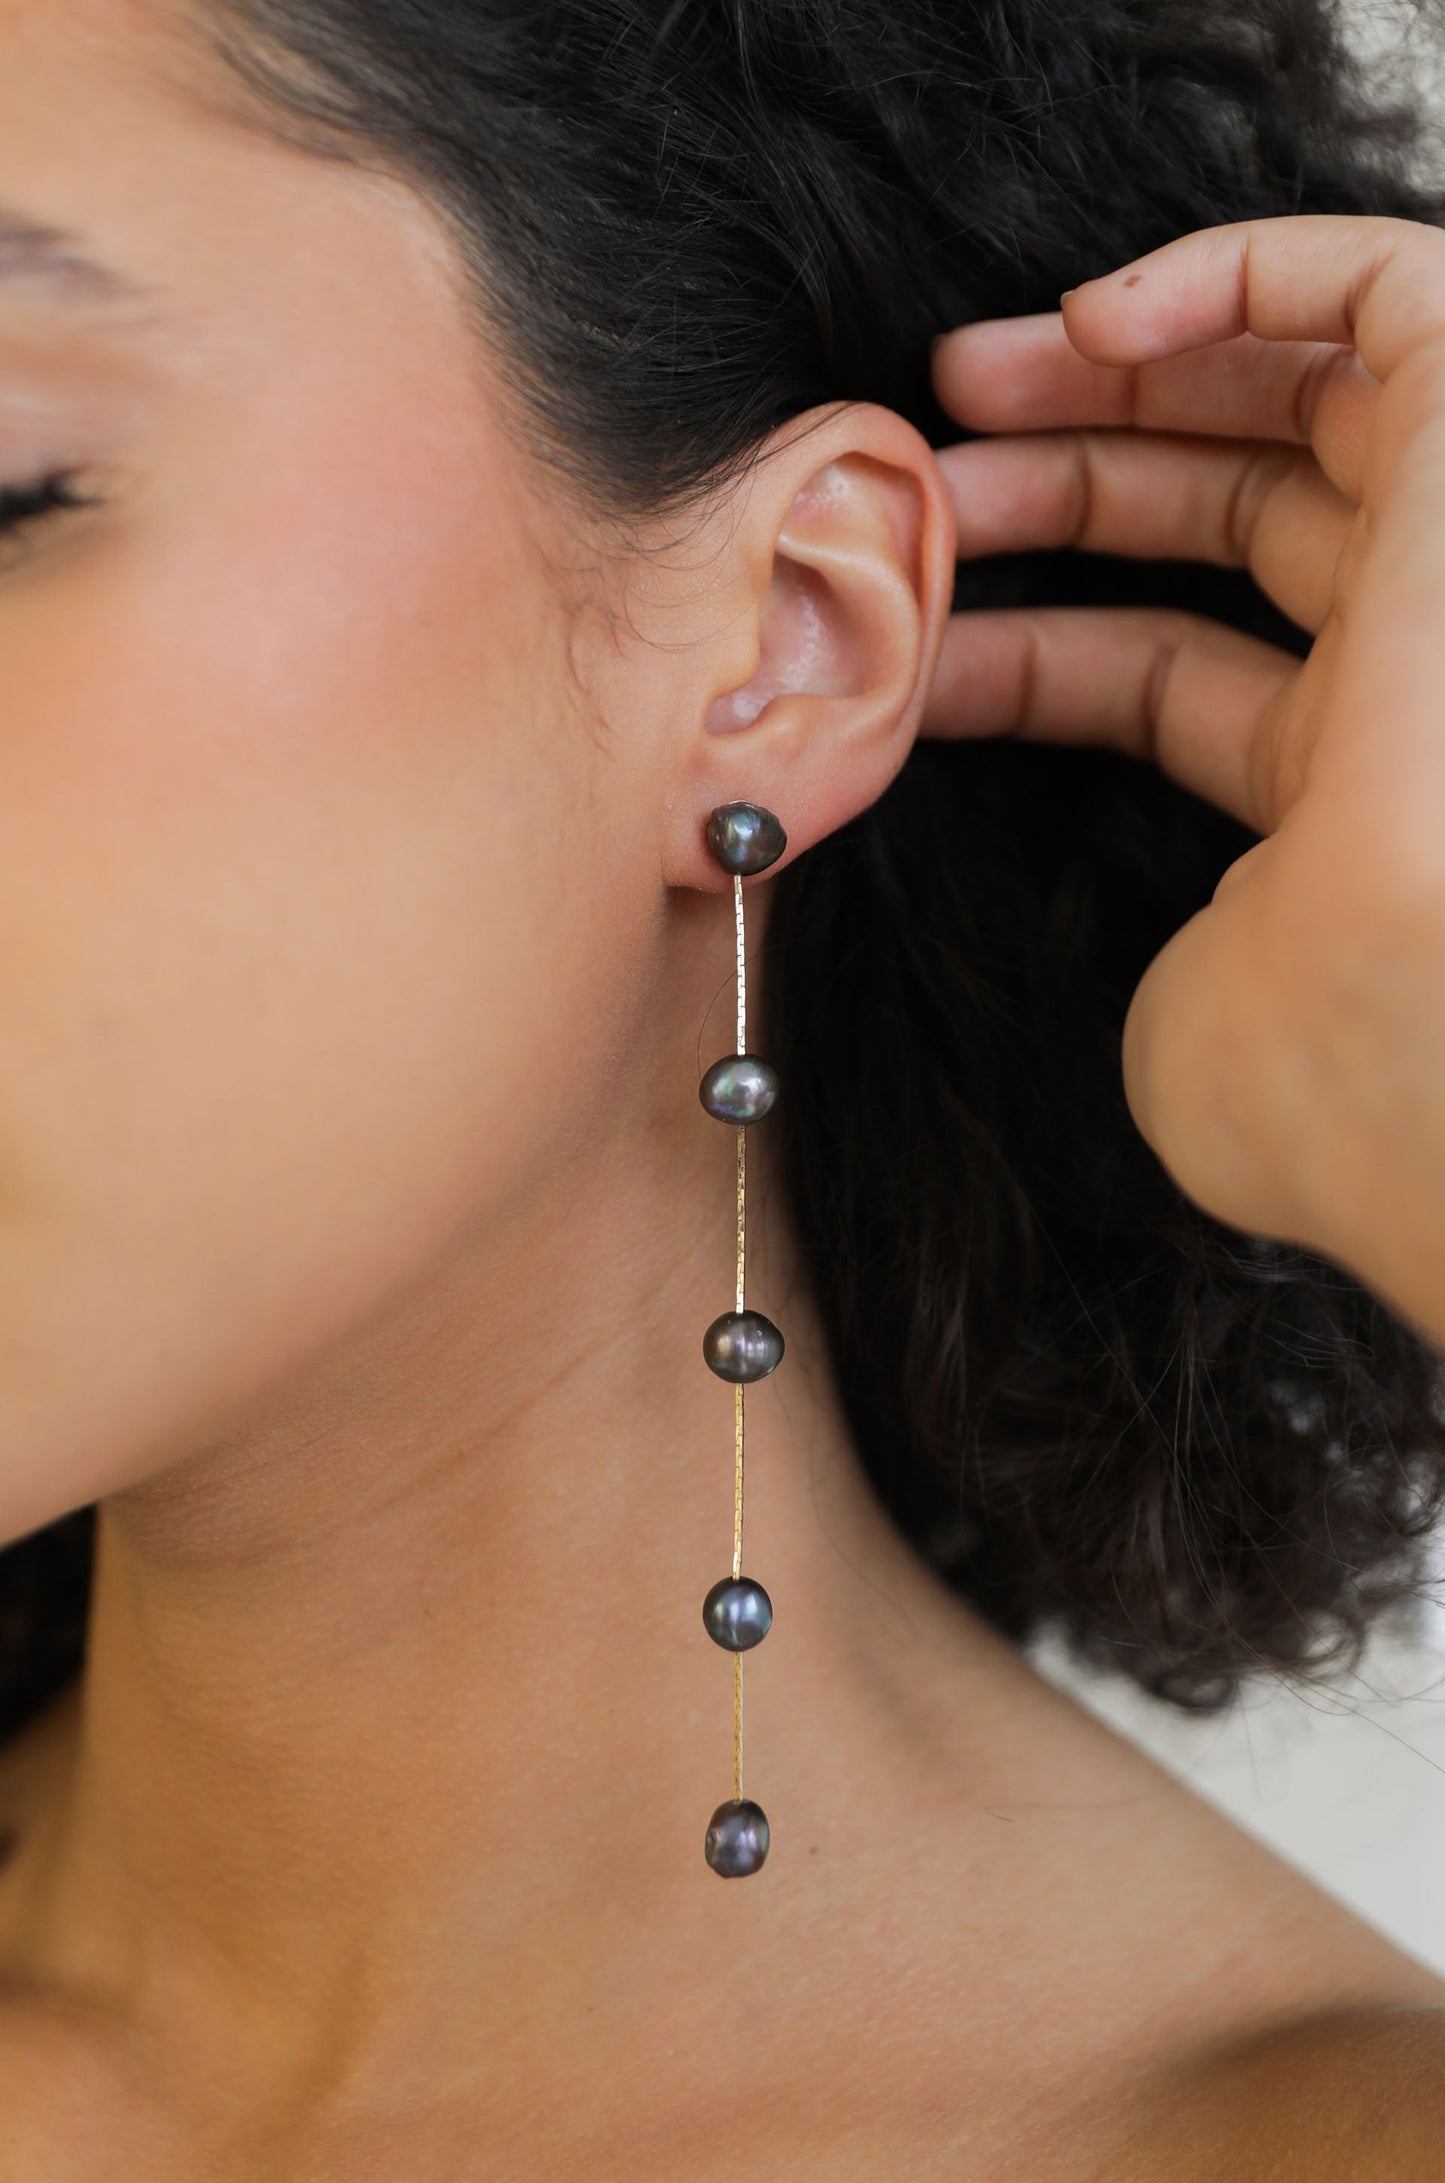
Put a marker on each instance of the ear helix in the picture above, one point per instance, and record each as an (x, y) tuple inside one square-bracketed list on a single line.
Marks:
[(741, 1345)]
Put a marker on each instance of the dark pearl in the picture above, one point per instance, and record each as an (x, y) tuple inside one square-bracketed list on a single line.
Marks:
[(737, 1838), (744, 838), (737, 1614), (739, 1088), (743, 1345)]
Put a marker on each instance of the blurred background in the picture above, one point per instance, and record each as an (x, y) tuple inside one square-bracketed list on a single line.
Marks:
[(1347, 1781)]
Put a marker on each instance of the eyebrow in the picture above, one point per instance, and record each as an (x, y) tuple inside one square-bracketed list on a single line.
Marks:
[(30, 251)]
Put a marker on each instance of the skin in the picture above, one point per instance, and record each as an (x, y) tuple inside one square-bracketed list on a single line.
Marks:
[(358, 1230), (1268, 395)]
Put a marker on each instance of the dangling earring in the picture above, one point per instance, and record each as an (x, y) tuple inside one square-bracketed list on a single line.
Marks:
[(741, 1345)]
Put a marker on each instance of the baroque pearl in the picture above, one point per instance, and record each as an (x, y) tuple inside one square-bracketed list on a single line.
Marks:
[(739, 1088), (742, 1345), (744, 838), (737, 1613), (737, 1838)]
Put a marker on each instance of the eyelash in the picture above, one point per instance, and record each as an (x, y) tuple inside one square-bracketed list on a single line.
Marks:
[(49, 496)]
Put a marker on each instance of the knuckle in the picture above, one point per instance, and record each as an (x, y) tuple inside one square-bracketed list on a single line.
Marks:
[(1172, 629), (1255, 478), (1083, 487), (1317, 374)]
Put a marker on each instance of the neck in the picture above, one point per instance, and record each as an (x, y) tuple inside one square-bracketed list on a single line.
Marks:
[(398, 1702)]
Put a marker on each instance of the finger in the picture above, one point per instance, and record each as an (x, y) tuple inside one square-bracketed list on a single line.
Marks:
[(1238, 504), (1193, 1035), (1193, 695), (1023, 374), (1376, 283)]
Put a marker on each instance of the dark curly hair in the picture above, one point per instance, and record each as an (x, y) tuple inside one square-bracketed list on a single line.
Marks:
[(1089, 1404)]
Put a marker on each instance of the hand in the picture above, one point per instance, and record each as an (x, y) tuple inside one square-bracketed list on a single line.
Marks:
[(1271, 395)]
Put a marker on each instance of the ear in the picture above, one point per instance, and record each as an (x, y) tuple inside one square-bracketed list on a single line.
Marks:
[(836, 557)]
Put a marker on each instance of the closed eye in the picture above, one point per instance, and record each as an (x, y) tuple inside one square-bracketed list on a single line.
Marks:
[(48, 496)]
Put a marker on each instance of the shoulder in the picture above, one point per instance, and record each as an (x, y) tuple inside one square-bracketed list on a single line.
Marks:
[(1356, 2098)]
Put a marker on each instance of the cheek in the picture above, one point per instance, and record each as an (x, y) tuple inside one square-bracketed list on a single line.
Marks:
[(304, 925)]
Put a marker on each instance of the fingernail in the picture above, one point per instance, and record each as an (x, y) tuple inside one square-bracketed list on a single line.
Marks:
[(1066, 295)]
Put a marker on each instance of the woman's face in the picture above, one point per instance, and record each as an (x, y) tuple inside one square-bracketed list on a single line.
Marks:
[(313, 922)]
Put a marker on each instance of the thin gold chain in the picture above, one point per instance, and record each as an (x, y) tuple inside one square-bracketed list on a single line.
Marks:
[(738, 1389), (742, 964)]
